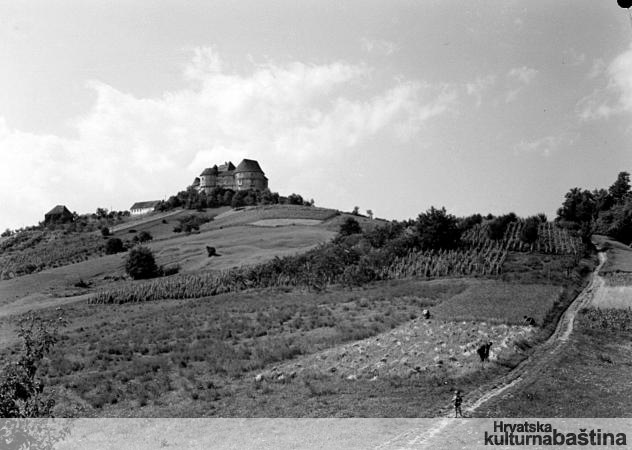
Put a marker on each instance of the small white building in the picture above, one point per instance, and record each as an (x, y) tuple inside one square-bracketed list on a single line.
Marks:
[(139, 208)]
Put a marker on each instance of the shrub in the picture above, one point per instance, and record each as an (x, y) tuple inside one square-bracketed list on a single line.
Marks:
[(114, 245), (529, 232), (437, 229), (144, 236), (105, 231), (169, 270), (496, 228), (350, 226), (141, 264), (21, 389)]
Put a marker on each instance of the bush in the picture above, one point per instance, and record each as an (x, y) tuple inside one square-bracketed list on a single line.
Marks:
[(437, 229), (141, 264), (496, 228), (21, 387), (169, 270), (529, 232), (105, 231), (350, 226), (114, 245), (143, 236)]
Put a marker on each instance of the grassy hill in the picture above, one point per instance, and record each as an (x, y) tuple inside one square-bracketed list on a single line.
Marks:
[(298, 346)]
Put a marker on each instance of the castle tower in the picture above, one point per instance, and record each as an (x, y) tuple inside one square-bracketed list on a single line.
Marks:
[(208, 180), (248, 175)]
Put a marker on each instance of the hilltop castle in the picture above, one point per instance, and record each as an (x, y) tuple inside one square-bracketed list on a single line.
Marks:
[(247, 175)]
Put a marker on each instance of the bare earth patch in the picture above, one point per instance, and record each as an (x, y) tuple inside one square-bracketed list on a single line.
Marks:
[(419, 346)]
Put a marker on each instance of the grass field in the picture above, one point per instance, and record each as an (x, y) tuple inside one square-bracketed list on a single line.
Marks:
[(200, 357), (500, 302), (252, 214)]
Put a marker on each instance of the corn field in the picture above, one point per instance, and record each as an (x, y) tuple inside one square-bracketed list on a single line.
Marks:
[(551, 239), (486, 260)]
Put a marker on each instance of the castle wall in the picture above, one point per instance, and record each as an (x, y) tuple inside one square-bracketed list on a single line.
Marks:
[(250, 180)]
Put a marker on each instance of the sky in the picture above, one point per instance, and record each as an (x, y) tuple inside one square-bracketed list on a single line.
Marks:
[(393, 106)]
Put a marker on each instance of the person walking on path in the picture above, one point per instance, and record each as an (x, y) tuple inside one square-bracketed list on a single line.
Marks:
[(457, 404)]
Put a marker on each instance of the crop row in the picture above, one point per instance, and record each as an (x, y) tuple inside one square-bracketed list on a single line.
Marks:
[(551, 239), (486, 260)]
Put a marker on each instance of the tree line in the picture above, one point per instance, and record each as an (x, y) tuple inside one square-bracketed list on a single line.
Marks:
[(600, 211)]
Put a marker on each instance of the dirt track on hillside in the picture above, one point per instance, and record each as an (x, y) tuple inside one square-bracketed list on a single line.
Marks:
[(526, 371)]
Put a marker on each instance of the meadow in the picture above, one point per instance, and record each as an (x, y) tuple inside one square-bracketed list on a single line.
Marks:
[(34, 251), (500, 302)]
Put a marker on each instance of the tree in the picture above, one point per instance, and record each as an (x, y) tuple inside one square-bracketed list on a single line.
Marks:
[(295, 199), (140, 263), (465, 223), (21, 388), (438, 229), (114, 245), (369, 213), (620, 189), (621, 224), (356, 211), (496, 227), (102, 213), (350, 226), (603, 201), (578, 206), (529, 232)]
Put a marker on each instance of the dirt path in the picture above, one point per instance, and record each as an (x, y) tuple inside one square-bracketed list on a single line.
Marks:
[(525, 371)]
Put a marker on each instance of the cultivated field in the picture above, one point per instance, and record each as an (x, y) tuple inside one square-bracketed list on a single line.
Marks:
[(199, 357), (500, 302), (618, 269)]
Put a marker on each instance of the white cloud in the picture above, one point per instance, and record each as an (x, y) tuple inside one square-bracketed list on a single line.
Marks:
[(291, 117), (614, 96), (545, 145), (519, 77), (478, 86)]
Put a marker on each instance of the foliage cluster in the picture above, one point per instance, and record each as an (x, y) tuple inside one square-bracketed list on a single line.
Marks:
[(21, 384), (192, 199), (602, 211), (191, 223)]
